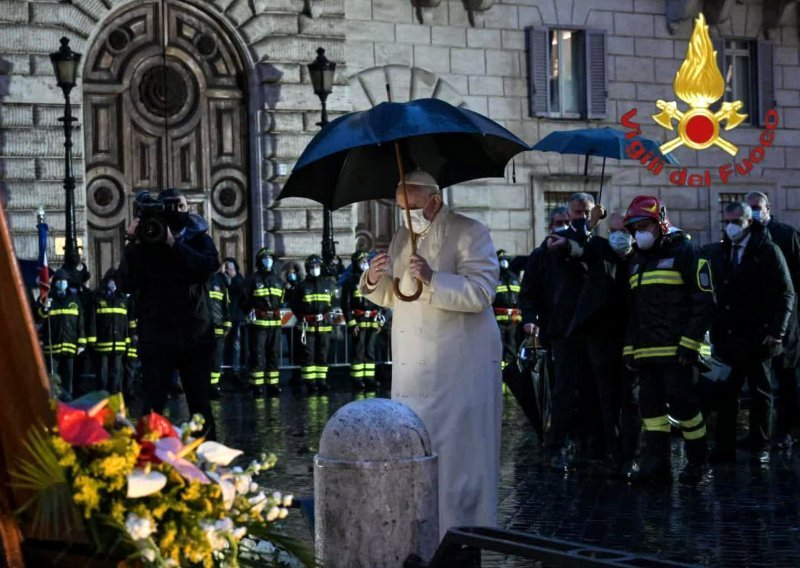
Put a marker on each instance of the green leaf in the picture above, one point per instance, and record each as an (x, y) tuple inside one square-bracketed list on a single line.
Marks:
[(301, 550)]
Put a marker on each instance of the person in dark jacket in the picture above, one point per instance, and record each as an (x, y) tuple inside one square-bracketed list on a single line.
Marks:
[(582, 290), (671, 309), (310, 301), (263, 297), (62, 331), (108, 336), (218, 310), (174, 326), (755, 300), (363, 324), (784, 365), (236, 342)]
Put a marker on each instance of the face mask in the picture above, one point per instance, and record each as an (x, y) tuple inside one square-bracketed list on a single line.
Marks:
[(504, 264), (111, 286), (579, 225), (292, 277), (645, 240), (267, 263), (560, 228), (316, 271), (364, 266), (760, 216), (419, 224), (61, 286), (620, 241), (735, 232)]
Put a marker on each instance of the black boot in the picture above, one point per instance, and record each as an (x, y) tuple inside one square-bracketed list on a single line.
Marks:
[(370, 384), (358, 385), (654, 467), (257, 390), (273, 390), (322, 385), (697, 468)]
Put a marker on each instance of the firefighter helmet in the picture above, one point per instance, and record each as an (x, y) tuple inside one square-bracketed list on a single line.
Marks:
[(312, 259), (264, 252), (647, 207), (358, 256), (60, 274)]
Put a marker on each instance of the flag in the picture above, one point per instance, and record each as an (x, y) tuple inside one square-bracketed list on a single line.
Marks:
[(43, 271)]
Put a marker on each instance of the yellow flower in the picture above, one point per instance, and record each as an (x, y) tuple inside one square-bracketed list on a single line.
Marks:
[(86, 494), (118, 511)]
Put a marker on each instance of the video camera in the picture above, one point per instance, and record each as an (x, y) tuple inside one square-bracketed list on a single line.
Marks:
[(155, 215)]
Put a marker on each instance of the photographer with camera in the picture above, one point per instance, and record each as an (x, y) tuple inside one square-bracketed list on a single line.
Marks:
[(167, 264)]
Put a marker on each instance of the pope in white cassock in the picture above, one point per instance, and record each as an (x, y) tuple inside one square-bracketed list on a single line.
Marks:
[(446, 347)]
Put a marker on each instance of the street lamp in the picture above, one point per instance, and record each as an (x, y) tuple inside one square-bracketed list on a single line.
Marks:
[(322, 71), (65, 64)]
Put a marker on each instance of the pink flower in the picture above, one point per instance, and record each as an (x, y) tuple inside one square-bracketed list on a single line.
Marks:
[(171, 451)]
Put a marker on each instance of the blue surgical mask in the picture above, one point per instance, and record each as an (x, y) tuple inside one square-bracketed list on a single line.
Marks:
[(504, 264), (267, 263), (61, 286), (364, 266), (620, 241), (111, 286), (560, 228), (292, 277)]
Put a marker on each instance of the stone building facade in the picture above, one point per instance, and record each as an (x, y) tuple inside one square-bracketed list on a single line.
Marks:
[(214, 97)]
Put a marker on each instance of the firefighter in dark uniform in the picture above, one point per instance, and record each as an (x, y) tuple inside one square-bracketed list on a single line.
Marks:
[(506, 308), (263, 296), (311, 304), (62, 331), (108, 336), (218, 309), (131, 361), (363, 319), (671, 310)]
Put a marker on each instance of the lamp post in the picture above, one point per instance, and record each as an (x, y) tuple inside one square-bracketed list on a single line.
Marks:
[(65, 64), (322, 71)]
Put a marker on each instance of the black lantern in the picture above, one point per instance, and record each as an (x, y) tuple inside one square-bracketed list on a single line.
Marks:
[(65, 64), (321, 71)]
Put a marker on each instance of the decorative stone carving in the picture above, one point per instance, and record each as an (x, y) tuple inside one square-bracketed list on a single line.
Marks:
[(679, 10), (478, 5)]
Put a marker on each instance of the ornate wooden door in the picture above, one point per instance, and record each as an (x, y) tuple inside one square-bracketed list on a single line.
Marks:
[(164, 99)]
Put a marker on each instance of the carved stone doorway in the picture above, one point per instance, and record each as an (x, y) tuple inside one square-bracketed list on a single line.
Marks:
[(164, 105)]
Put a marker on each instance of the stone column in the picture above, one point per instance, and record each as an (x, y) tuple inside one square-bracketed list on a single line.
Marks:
[(375, 487)]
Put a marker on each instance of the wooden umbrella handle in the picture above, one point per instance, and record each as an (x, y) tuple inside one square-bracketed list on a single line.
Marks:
[(413, 237)]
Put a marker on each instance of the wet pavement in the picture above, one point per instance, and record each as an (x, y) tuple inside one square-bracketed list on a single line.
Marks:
[(745, 515)]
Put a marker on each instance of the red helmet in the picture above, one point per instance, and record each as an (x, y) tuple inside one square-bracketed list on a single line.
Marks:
[(647, 207)]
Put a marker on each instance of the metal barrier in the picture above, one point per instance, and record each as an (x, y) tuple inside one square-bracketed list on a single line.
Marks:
[(549, 551)]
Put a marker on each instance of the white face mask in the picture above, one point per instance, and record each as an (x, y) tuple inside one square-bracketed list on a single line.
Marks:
[(645, 240), (364, 266), (735, 232), (419, 224), (620, 241), (315, 271), (503, 264), (560, 228)]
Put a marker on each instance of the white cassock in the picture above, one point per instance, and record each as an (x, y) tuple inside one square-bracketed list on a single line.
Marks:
[(447, 353)]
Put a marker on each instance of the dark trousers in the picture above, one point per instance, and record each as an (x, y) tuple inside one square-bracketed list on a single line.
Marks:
[(362, 363), (192, 361), (671, 384), (757, 373), (64, 366), (508, 335), (108, 367), (587, 376), (236, 348), (265, 353), (216, 361), (313, 358), (630, 427), (786, 406)]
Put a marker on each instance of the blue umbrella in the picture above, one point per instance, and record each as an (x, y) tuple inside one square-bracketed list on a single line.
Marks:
[(605, 142), (362, 155)]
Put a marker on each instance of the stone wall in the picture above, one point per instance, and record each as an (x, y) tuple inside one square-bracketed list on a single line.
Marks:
[(477, 58)]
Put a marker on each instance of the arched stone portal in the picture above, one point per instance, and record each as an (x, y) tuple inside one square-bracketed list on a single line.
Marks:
[(376, 220), (154, 121)]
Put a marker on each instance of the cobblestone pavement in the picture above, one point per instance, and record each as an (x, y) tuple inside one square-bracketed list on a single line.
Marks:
[(744, 515)]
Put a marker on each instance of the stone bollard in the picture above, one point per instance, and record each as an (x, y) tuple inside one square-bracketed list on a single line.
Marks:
[(375, 487)]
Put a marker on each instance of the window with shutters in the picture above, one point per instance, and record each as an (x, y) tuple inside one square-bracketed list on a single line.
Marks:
[(747, 66), (567, 72)]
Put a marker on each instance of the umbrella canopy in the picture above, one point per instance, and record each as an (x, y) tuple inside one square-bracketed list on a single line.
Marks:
[(605, 142), (354, 157)]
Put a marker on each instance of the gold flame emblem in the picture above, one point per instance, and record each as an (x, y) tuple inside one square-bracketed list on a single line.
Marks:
[(699, 84)]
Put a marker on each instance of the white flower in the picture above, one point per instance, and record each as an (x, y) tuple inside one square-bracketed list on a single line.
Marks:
[(283, 514), (216, 539), (247, 544), (141, 484), (149, 554), (278, 497), (287, 500), (258, 503), (273, 514), (239, 533), (138, 528), (216, 453), (253, 487), (224, 525), (242, 483), (264, 547), (226, 485)]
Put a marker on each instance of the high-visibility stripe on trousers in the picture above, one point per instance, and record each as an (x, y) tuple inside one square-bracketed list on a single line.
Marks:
[(363, 360), (313, 356), (265, 343)]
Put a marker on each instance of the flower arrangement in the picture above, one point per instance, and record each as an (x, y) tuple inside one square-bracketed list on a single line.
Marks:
[(153, 491)]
